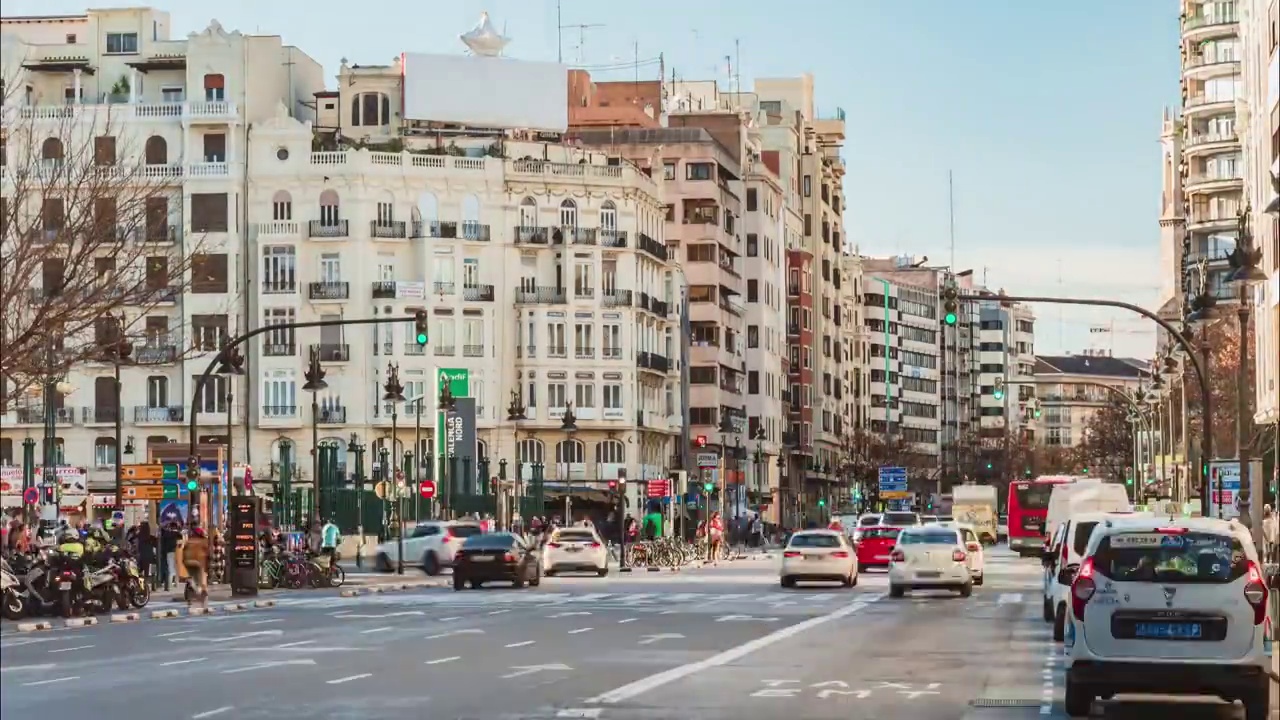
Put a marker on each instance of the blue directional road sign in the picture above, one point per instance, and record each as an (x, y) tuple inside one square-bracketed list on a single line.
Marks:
[(893, 482)]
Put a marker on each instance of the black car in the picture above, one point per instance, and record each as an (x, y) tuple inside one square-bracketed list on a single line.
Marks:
[(496, 557)]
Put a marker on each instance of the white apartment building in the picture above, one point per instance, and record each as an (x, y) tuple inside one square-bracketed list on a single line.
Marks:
[(1260, 120), (543, 269), (181, 108), (1005, 353)]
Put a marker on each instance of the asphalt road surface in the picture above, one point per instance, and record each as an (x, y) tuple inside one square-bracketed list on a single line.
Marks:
[(709, 644)]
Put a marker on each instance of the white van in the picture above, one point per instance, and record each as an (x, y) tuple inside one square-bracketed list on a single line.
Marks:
[(1084, 496), (1062, 559)]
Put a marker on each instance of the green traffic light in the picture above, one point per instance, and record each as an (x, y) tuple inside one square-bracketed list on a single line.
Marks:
[(1086, 471), (191, 485), (708, 486), (998, 394), (422, 338), (822, 502), (949, 318), (988, 466)]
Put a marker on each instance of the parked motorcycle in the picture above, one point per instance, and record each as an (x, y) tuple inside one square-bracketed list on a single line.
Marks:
[(136, 590), (11, 593)]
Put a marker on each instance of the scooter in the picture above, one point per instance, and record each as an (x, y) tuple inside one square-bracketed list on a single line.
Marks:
[(10, 593)]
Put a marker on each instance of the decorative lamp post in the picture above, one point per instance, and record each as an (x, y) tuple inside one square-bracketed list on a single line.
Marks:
[(569, 424), (315, 383), (393, 392), (1245, 260), (355, 450), (1204, 312), (515, 415)]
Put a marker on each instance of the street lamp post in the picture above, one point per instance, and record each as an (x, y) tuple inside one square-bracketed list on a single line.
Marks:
[(393, 392), (355, 450), (1245, 259), (569, 424), (315, 383), (119, 353), (515, 415)]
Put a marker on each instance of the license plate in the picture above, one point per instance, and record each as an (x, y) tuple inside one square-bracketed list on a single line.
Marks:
[(482, 558), (1168, 631), (64, 586), (573, 549), (928, 574), (812, 556)]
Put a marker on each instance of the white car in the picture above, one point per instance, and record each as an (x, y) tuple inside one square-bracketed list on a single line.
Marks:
[(430, 546), (977, 557), (1169, 606), (575, 549), (930, 557), (900, 518), (819, 555), (1061, 560), (866, 520)]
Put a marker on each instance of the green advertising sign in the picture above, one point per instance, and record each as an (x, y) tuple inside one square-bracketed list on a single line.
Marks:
[(459, 380), (459, 383)]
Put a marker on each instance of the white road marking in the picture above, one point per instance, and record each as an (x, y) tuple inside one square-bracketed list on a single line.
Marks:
[(648, 684), (267, 622), (499, 612), (348, 678), (299, 643), (441, 661), (521, 644), (266, 665), (21, 668), (451, 633), (176, 632), (522, 670), (450, 619), (182, 662), (50, 681), (370, 631), (568, 614), (1009, 599), (78, 647), (627, 620), (211, 713), (651, 639), (579, 713), (579, 630)]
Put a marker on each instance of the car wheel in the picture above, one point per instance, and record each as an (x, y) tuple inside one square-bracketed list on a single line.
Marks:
[(382, 563), (978, 580), (537, 578), (458, 582), (966, 590), (1060, 623), (476, 584), (847, 581), (1048, 610), (788, 581), (431, 564), (602, 571), (897, 591), (853, 579), (1079, 700), (1258, 703)]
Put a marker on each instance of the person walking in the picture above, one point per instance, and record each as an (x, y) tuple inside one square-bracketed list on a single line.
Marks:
[(146, 550), (169, 536), (1270, 533), (195, 558), (715, 537)]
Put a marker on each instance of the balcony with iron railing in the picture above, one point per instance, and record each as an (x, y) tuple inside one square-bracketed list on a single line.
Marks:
[(279, 286), (444, 350), (579, 235), (557, 351), (583, 291), (617, 298), (584, 352), (384, 289), (145, 414), (652, 361), (101, 415), (34, 415), (279, 349), (279, 412), (611, 353), (473, 351), (529, 294), (388, 229), (477, 293), (532, 235), (156, 351), (414, 349), (443, 287), (613, 238), (331, 415), (321, 229), (160, 234), (652, 247), (333, 352), (329, 290)]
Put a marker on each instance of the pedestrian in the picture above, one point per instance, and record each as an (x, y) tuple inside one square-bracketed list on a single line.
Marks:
[(330, 539), (168, 552), (715, 536), (195, 559), (1270, 533), (315, 536), (146, 552)]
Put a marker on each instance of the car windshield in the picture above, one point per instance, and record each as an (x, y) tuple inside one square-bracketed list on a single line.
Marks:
[(869, 521), (1190, 557), (1083, 531), (880, 533), (817, 540), (932, 536), (901, 518), (489, 541), (464, 531), (575, 536), (1034, 496)]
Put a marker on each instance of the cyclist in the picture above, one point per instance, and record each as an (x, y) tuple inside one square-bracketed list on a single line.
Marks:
[(331, 537)]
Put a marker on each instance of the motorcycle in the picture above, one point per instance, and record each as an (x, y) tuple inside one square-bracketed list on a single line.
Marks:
[(11, 591), (102, 587), (136, 591), (68, 583)]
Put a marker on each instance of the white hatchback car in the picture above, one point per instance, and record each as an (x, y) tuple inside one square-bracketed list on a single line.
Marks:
[(977, 557), (930, 557), (819, 555), (575, 549), (1172, 606), (431, 545)]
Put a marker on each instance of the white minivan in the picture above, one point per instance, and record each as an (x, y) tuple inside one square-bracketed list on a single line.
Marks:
[(1082, 496), (1061, 560)]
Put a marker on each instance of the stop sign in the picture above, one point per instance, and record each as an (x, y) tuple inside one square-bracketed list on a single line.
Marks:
[(427, 489)]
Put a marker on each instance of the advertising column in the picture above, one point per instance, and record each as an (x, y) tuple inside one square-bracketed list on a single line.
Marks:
[(450, 435)]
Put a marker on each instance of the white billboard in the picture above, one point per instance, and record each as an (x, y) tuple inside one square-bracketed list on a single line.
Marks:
[(487, 92)]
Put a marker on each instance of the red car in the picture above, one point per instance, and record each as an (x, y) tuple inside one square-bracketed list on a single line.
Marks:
[(876, 545)]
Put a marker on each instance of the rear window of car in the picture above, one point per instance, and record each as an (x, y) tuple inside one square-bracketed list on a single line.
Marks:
[(575, 536), (815, 541), (869, 521), (464, 531), (928, 537), (1192, 557), (880, 533), (489, 541), (1082, 532), (901, 518)]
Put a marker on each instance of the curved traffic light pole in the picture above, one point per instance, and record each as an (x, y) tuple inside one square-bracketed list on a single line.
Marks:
[(1206, 436), (193, 469)]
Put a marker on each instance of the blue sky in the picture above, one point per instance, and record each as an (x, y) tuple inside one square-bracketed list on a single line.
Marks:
[(1047, 113)]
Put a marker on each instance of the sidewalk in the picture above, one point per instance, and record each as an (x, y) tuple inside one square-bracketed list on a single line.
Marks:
[(222, 591)]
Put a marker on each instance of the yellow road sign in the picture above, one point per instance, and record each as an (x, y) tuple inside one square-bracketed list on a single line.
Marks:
[(894, 495), (144, 492), (147, 472)]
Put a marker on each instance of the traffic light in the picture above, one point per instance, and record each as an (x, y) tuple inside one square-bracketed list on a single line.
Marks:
[(613, 486), (708, 487), (988, 466), (192, 485), (822, 502), (700, 441), (998, 391), (1085, 471), (47, 495), (1028, 472), (193, 473), (950, 304), (420, 327)]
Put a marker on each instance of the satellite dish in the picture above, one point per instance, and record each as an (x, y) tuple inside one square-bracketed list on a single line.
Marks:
[(484, 39)]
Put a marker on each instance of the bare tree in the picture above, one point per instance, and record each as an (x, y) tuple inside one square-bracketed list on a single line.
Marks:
[(87, 247), (864, 453), (1108, 441)]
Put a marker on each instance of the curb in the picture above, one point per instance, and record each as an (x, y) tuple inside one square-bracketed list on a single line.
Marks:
[(161, 614), (125, 617), (264, 603), (198, 611), (79, 622), (34, 627)]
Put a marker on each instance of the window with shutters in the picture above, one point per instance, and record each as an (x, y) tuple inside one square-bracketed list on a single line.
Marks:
[(104, 150), (208, 273), (209, 212)]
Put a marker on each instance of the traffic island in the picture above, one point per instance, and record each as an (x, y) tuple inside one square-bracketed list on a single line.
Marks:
[(125, 617), (80, 622), (34, 626)]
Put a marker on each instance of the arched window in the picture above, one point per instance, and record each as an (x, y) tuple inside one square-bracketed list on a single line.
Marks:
[(471, 217), (104, 452), (215, 88), (531, 450), (156, 150), (282, 206), (51, 150), (428, 207), (371, 109), (571, 451), (611, 452), (569, 214), (608, 216), (329, 217), (528, 213)]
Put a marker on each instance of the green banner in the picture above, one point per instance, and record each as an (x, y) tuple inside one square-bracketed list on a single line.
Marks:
[(459, 383)]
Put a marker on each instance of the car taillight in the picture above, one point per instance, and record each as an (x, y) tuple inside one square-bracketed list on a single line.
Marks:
[(1082, 588), (898, 556), (840, 554), (509, 557), (553, 545), (594, 545), (1064, 551), (958, 555), (790, 553), (447, 538), (1256, 593), (973, 547)]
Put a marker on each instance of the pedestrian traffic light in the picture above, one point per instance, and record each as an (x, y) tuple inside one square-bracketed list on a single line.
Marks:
[(613, 486), (47, 494), (998, 391), (950, 304), (708, 487), (420, 327)]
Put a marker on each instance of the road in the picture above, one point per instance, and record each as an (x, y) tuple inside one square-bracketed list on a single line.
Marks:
[(708, 644)]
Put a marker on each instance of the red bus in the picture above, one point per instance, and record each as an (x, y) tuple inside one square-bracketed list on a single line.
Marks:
[(1028, 507)]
